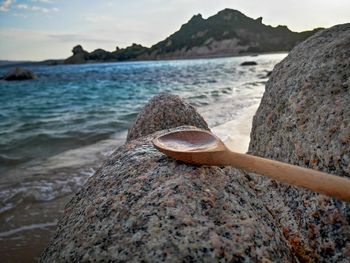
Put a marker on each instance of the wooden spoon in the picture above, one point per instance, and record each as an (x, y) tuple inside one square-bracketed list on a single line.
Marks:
[(204, 148)]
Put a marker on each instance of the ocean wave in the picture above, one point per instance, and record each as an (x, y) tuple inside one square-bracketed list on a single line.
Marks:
[(9, 160), (54, 177), (40, 191), (27, 228), (44, 145)]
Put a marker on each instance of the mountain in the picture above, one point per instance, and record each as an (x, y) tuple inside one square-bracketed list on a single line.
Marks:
[(227, 33)]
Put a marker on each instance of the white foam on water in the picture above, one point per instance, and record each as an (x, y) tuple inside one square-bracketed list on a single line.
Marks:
[(236, 133), (27, 228), (58, 175)]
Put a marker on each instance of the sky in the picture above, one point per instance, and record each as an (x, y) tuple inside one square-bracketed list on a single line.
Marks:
[(43, 29)]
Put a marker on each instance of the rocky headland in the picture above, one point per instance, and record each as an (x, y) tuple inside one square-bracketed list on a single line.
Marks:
[(143, 206), (228, 33)]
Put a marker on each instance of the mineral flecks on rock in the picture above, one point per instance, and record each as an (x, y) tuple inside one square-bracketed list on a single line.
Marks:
[(304, 119), (165, 111)]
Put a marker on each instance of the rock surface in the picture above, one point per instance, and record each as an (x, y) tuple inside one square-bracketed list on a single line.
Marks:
[(19, 74), (141, 205), (304, 119), (165, 111)]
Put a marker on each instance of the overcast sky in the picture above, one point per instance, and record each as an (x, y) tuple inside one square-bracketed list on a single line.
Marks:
[(42, 29)]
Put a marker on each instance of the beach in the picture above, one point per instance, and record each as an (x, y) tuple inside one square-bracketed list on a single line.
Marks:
[(52, 145)]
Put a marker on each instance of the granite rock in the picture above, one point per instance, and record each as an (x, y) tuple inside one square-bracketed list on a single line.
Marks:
[(143, 206), (165, 111), (304, 119), (19, 74)]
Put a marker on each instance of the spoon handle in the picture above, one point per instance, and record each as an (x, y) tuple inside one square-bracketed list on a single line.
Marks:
[(324, 183)]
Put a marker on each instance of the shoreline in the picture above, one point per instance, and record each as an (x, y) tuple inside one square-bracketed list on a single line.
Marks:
[(236, 133), (45, 63)]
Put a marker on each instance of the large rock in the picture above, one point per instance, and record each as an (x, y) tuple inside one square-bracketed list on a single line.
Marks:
[(143, 206), (165, 111), (19, 74), (304, 119)]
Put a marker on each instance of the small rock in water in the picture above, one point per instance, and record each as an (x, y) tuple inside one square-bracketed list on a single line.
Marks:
[(249, 63), (19, 74)]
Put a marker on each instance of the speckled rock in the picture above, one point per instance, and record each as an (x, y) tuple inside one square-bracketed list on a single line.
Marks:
[(165, 111), (143, 206), (304, 119)]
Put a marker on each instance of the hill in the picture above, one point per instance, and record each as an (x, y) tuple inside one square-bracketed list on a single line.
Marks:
[(227, 33)]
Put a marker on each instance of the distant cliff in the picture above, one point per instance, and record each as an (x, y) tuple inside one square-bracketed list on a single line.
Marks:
[(227, 33)]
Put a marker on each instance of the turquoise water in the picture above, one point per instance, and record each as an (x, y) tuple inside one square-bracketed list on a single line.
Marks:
[(74, 115), (73, 106)]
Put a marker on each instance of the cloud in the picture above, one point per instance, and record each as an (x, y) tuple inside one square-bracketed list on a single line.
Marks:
[(22, 6), (99, 18), (43, 1), (37, 8), (5, 5), (19, 15), (78, 38)]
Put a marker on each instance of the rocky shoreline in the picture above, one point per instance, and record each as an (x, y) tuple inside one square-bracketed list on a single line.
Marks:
[(143, 206)]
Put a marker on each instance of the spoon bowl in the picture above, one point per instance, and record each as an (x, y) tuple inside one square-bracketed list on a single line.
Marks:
[(201, 147), (189, 141)]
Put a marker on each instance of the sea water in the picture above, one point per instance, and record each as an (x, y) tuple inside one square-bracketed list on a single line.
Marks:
[(55, 130)]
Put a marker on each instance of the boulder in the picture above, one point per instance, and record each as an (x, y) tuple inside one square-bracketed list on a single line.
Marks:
[(249, 63), (304, 119), (165, 111), (143, 206), (19, 74)]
